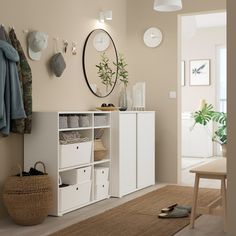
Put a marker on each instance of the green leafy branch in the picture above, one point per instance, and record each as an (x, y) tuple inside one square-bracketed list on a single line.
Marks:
[(122, 71), (105, 72)]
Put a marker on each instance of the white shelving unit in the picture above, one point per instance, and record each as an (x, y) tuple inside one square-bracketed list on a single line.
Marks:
[(72, 163)]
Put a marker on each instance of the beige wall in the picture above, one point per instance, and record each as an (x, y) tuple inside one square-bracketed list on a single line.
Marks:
[(158, 67), (74, 20), (71, 20), (231, 151)]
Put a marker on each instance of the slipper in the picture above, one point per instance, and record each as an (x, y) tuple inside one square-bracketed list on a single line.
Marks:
[(176, 213), (188, 208), (169, 208)]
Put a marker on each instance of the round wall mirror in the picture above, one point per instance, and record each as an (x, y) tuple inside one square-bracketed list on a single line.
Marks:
[(99, 59)]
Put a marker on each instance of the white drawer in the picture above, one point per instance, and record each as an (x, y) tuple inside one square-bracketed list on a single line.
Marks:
[(75, 154), (74, 195), (101, 174), (101, 191), (76, 176)]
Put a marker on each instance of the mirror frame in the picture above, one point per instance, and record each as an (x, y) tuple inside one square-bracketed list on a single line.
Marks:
[(83, 61)]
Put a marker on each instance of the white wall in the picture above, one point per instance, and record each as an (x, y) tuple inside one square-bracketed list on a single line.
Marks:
[(202, 44)]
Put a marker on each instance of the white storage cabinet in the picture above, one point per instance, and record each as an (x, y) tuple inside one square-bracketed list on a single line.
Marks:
[(133, 152), (71, 164)]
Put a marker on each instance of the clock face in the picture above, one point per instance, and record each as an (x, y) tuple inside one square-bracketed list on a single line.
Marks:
[(101, 41), (152, 37)]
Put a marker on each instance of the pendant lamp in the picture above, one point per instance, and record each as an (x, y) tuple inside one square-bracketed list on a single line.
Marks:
[(167, 5)]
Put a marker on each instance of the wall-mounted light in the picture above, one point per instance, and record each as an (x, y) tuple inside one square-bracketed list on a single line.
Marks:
[(167, 5), (105, 15)]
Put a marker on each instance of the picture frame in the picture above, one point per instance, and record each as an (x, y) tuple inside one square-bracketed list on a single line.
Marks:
[(199, 72), (182, 73)]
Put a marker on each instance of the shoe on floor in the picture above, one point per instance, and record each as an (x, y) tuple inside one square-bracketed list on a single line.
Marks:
[(175, 213), (188, 208), (169, 208)]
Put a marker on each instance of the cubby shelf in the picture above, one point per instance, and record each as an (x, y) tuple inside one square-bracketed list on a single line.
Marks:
[(73, 129), (43, 144), (102, 127)]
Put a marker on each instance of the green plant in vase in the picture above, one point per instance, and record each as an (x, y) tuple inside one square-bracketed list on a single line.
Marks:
[(105, 73), (207, 114), (123, 77)]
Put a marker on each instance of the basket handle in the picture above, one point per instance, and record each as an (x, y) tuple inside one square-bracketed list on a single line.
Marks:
[(40, 162)]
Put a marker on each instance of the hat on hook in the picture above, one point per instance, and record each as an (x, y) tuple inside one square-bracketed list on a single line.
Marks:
[(37, 42), (57, 64)]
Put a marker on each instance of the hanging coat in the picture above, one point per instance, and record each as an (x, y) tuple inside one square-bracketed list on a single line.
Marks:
[(11, 104), (25, 76)]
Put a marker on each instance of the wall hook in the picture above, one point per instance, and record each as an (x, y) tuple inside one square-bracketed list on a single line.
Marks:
[(65, 42), (74, 49)]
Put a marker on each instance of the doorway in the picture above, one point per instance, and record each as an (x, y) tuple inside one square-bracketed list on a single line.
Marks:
[(203, 80)]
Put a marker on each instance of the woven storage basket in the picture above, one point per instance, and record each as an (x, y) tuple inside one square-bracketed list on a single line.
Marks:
[(99, 150), (28, 199)]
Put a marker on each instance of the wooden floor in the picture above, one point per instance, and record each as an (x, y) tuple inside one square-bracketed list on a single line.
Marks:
[(205, 225)]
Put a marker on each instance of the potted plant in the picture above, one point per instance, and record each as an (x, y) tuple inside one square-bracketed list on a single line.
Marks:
[(123, 77), (207, 114), (105, 72)]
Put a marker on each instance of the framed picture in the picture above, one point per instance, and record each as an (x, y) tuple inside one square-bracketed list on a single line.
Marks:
[(183, 73), (199, 72)]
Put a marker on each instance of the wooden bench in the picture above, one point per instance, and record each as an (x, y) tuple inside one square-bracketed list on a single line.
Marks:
[(212, 170)]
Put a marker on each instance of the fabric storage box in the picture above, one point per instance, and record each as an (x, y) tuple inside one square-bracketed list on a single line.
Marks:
[(73, 121), (84, 121), (75, 154), (101, 191), (101, 174), (76, 176), (100, 120), (63, 122), (74, 195)]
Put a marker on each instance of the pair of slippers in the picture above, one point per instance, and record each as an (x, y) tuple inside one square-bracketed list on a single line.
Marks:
[(175, 211)]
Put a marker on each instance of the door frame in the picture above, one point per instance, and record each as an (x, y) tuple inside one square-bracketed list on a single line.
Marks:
[(179, 87)]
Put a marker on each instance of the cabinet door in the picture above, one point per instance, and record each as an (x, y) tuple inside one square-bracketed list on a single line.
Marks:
[(127, 153), (145, 149)]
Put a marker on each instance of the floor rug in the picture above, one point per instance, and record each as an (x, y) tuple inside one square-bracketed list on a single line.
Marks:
[(138, 217)]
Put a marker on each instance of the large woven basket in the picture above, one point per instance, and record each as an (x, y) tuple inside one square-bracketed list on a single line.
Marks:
[(28, 199), (100, 151)]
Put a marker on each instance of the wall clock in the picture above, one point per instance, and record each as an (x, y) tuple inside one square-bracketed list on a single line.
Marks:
[(152, 37), (101, 41)]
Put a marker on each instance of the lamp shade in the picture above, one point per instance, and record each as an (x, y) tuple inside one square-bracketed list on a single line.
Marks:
[(167, 5)]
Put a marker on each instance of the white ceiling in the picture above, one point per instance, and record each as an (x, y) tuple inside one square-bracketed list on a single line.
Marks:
[(211, 20), (190, 24)]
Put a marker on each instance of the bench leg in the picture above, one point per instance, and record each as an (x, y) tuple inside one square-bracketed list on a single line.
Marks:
[(223, 193), (194, 206)]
